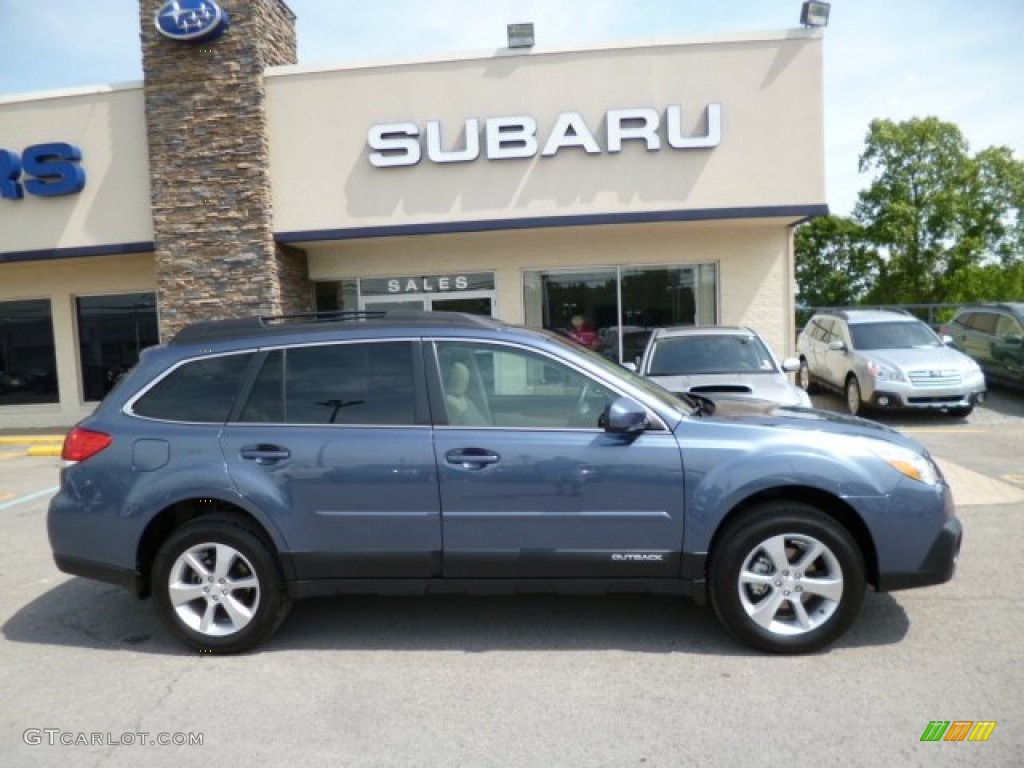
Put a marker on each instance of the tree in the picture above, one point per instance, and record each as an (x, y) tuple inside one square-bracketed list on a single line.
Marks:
[(946, 224), (835, 266)]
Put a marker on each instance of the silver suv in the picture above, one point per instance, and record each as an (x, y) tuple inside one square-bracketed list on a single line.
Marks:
[(883, 359)]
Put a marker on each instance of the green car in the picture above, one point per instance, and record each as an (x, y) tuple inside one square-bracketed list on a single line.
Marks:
[(993, 334)]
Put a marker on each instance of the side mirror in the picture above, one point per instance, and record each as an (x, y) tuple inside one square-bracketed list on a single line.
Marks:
[(629, 366), (790, 365), (947, 339), (624, 416), (837, 346)]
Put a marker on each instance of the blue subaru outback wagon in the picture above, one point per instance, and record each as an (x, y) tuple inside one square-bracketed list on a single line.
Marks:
[(251, 462)]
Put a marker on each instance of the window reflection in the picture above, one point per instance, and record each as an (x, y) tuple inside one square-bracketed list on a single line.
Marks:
[(28, 362), (112, 332), (613, 310)]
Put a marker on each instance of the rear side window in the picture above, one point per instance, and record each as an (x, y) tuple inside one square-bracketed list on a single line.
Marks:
[(369, 383), (984, 322), (198, 391)]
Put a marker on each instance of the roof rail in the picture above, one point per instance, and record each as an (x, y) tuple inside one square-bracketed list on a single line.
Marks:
[(268, 325)]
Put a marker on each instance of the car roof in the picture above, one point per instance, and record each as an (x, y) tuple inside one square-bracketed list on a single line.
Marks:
[(1015, 307), (328, 323), (858, 316), (676, 331)]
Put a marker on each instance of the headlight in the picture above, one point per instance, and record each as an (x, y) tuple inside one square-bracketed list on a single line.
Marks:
[(883, 372), (907, 462)]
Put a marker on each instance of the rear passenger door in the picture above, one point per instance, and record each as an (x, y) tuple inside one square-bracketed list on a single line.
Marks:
[(334, 440)]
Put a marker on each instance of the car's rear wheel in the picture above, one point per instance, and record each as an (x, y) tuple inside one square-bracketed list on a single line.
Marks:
[(803, 378), (854, 403), (786, 578), (217, 586)]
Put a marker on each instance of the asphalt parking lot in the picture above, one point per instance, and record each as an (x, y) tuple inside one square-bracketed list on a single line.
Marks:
[(526, 681)]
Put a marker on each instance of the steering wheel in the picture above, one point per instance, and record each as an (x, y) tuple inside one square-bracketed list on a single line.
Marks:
[(581, 408)]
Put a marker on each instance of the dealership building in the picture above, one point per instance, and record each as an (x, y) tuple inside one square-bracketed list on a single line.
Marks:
[(633, 184)]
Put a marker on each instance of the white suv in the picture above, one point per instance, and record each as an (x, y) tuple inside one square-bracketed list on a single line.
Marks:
[(883, 359)]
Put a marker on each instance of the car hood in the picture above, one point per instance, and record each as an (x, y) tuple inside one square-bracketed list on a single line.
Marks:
[(774, 387), (768, 415), (930, 358)]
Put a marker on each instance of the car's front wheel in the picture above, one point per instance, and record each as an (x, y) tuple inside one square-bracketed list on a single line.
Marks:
[(786, 578), (803, 378), (217, 586), (854, 403), (961, 413)]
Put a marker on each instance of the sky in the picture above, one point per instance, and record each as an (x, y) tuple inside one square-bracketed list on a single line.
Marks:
[(959, 60)]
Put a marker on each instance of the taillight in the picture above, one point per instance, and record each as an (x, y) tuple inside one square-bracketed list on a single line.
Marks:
[(82, 443)]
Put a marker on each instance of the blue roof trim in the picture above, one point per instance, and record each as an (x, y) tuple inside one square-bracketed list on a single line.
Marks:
[(48, 254), (541, 222)]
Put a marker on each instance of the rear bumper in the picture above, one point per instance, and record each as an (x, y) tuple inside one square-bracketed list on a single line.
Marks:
[(938, 566), (89, 569)]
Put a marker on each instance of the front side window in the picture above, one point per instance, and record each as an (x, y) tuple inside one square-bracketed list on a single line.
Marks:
[(28, 360), (486, 385), (1007, 326), (112, 331), (198, 391), (613, 310), (367, 383)]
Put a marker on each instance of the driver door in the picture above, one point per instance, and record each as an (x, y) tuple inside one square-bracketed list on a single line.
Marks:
[(534, 487)]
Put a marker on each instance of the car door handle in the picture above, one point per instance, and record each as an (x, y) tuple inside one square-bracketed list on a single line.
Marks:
[(264, 454), (472, 458)]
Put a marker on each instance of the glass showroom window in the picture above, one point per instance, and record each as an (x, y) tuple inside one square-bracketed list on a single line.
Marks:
[(614, 309), (28, 361), (112, 331)]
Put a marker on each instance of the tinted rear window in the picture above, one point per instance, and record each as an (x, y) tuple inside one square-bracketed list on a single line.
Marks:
[(362, 383), (198, 391)]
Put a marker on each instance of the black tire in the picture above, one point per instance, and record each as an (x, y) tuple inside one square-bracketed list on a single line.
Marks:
[(744, 576), (854, 399), (804, 380), (961, 413), (219, 562)]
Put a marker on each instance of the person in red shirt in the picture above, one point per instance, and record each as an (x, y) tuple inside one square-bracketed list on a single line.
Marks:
[(581, 332)]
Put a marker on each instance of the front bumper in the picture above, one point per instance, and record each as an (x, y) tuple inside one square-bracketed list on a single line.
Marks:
[(938, 566), (888, 396)]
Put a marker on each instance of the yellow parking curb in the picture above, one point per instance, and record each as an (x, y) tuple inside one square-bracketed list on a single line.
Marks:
[(30, 439), (45, 450)]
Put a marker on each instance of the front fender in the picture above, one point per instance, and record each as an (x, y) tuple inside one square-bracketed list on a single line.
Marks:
[(716, 489)]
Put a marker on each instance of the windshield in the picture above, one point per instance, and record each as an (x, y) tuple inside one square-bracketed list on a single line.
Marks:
[(617, 371), (707, 354), (898, 335)]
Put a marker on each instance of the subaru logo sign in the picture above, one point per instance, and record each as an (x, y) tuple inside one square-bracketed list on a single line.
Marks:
[(191, 21)]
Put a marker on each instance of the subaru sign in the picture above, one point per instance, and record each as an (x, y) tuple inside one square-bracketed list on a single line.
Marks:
[(191, 21)]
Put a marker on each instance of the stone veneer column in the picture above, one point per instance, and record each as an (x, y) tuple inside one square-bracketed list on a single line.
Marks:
[(210, 169)]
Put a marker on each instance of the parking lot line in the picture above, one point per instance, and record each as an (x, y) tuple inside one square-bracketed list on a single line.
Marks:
[(9, 455), (27, 497)]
